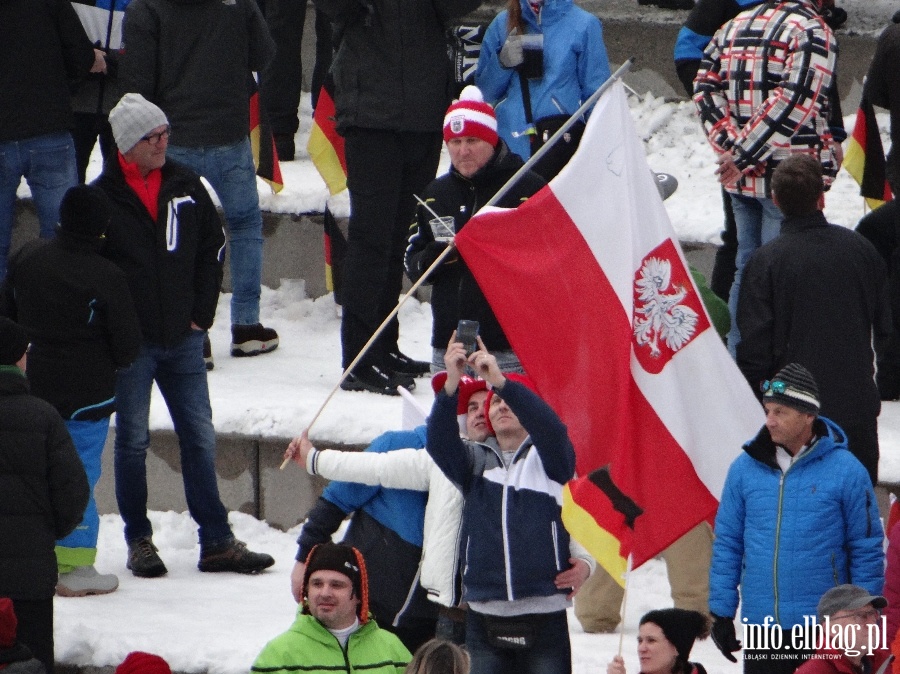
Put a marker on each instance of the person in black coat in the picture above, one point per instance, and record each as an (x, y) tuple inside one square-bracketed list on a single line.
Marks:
[(76, 308), (45, 492), (817, 295), (481, 165)]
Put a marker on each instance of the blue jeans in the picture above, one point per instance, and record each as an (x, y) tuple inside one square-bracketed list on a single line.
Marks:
[(758, 221), (48, 164), (229, 169), (180, 374), (551, 652), (80, 547)]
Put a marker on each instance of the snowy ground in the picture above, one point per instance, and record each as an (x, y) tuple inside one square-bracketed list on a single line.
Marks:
[(218, 623)]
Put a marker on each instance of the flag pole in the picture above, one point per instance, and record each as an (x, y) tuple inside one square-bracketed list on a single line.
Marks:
[(624, 603), (624, 68)]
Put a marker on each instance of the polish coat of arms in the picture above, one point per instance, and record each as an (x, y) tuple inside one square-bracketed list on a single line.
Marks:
[(667, 311)]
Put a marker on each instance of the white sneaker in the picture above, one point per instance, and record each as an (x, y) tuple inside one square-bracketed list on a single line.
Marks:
[(84, 580)]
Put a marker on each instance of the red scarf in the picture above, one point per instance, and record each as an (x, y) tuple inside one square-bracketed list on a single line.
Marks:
[(147, 188)]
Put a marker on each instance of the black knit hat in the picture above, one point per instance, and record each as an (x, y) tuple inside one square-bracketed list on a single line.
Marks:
[(681, 627), (13, 342), (343, 559), (84, 212), (794, 387)]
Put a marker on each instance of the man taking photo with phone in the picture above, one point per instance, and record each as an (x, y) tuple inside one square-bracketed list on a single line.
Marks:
[(481, 164)]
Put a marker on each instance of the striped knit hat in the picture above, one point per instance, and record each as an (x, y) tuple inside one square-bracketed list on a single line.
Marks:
[(470, 116), (343, 559), (794, 387)]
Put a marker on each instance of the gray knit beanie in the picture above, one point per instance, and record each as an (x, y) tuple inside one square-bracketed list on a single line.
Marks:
[(794, 387), (133, 118)]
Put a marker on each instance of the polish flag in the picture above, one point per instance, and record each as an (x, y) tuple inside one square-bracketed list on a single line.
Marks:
[(593, 291)]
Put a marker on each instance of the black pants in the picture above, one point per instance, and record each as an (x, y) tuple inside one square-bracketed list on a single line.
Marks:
[(35, 618), (384, 170), (281, 82), (724, 266), (88, 127)]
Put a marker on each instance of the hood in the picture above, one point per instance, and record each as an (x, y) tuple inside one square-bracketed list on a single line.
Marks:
[(551, 12)]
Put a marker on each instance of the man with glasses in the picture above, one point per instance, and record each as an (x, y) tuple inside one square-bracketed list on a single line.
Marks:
[(166, 236), (797, 515), (857, 614)]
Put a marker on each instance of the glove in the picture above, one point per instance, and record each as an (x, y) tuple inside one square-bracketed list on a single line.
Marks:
[(512, 55), (431, 253), (724, 637), (835, 17)]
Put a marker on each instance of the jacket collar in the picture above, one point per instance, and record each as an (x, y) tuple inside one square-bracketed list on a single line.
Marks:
[(829, 437), (804, 222), (12, 380)]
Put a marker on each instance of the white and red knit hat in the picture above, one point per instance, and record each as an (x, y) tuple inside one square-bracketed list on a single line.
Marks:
[(471, 116)]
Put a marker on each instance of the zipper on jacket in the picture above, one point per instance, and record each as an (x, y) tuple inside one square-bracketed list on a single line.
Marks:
[(554, 534)]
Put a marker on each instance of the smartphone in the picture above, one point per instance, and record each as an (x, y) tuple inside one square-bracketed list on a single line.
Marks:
[(467, 332)]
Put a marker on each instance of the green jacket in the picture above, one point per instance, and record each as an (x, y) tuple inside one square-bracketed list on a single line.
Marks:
[(308, 647)]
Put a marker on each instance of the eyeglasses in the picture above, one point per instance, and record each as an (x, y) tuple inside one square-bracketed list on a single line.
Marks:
[(776, 386), (154, 138), (863, 615)]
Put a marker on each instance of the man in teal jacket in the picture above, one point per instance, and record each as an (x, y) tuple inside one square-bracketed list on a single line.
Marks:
[(334, 631)]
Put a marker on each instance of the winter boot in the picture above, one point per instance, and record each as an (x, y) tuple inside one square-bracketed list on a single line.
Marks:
[(234, 556), (84, 580), (143, 561), (252, 340)]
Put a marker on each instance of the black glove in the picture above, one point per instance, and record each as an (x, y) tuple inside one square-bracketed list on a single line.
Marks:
[(835, 17), (431, 253), (724, 637)]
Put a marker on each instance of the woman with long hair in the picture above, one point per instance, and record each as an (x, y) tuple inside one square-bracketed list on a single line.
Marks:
[(439, 657)]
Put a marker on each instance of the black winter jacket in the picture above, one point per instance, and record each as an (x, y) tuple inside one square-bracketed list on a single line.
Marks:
[(816, 295), (455, 293), (44, 488), (883, 89), (193, 58), (882, 228), (43, 44), (392, 69), (173, 265), (77, 310)]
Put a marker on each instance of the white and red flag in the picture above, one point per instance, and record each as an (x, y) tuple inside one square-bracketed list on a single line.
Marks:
[(593, 291)]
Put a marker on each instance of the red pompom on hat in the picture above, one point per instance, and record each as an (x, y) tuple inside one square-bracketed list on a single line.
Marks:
[(8, 623), (470, 116), (138, 662), (467, 386)]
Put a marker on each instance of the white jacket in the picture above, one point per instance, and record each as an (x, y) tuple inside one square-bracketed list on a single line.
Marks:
[(415, 469)]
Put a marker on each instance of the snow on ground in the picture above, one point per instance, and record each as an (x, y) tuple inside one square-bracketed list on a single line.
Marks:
[(218, 623)]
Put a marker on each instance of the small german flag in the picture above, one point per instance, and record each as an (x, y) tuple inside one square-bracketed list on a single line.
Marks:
[(262, 142), (601, 517), (325, 145), (865, 157), (335, 250)]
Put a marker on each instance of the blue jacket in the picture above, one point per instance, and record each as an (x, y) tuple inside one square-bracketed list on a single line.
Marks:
[(788, 538), (575, 65), (515, 543)]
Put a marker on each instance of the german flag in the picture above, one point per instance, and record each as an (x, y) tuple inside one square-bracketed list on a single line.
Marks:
[(601, 517), (265, 156), (325, 145), (865, 157)]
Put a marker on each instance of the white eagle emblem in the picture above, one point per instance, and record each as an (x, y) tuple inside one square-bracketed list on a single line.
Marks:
[(457, 124), (660, 316)]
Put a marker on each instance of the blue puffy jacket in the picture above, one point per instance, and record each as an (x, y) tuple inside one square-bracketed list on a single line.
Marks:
[(787, 538), (575, 65)]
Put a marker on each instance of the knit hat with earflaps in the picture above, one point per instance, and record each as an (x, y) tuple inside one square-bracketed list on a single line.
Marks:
[(343, 559)]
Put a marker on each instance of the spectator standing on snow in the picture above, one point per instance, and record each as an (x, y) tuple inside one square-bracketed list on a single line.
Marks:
[(15, 657), (44, 46), (762, 95), (817, 296), (481, 163), (797, 515), (390, 117), (45, 492), (194, 60), (165, 234), (77, 309)]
